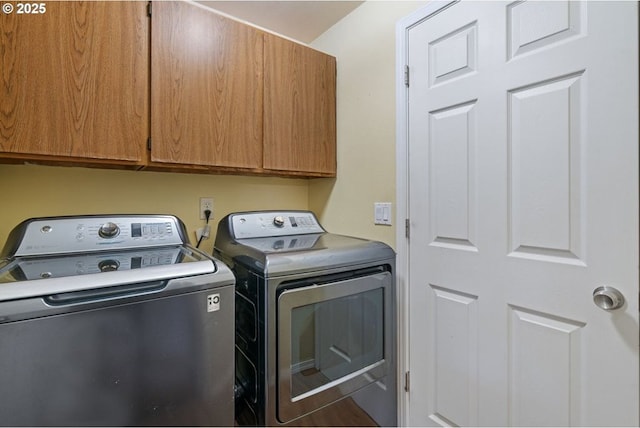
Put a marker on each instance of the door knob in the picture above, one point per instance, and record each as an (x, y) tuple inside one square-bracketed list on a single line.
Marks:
[(608, 298)]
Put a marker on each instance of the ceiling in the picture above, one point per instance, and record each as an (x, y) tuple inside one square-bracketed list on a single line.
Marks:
[(299, 20)]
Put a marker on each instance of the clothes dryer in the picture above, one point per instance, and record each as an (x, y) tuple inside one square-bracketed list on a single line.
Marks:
[(315, 322)]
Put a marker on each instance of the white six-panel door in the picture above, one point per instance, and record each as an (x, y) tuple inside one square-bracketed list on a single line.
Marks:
[(522, 191)]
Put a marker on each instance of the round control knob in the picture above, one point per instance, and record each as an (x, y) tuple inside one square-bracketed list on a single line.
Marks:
[(108, 265), (109, 230), (278, 221)]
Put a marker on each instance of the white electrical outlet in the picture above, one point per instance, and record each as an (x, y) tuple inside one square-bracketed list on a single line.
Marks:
[(206, 204)]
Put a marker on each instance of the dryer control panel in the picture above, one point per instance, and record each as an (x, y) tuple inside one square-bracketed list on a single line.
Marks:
[(262, 224)]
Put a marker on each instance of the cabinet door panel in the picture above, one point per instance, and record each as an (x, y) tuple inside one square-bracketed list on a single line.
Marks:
[(206, 88), (74, 81), (300, 108)]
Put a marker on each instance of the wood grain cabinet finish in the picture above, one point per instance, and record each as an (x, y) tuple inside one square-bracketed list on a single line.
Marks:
[(74, 82), (206, 88), (89, 82), (299, 108)]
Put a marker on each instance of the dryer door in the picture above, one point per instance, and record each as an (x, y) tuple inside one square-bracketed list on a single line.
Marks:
[(333, 339)]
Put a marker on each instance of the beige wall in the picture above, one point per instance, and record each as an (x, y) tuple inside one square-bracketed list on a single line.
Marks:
[(364, 45), (36, 191)]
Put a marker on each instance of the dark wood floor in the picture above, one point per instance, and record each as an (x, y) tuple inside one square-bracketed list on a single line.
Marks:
[(345, 412), (342, 413)]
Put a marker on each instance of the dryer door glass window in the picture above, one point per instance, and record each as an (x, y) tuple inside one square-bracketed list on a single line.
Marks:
[(331, 341)]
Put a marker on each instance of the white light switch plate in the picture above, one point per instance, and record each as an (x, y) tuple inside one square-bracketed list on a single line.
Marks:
[(382, 213)]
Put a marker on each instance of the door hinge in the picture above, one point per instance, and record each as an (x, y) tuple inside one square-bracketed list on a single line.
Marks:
[(406, 76), (149, 9), (407, 379), (407, 228), (149, 143)]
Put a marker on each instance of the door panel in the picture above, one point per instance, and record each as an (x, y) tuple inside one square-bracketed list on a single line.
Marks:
[(206, 88), (523, 198), (545, 163), (452, 179), (454, 319), (75, 81), (544, 365), (299, 108), (536, 25)]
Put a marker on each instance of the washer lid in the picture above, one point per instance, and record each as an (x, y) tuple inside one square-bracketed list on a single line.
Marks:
[(45, 256), (22, 277)]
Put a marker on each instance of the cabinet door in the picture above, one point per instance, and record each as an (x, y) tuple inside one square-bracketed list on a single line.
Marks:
[(300, 108), (74, 81), (206, 88)]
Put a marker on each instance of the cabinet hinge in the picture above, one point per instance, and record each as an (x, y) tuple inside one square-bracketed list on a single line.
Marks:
[(407, 379), (406, 76), (149, 9), (407, 228), (149, 143)]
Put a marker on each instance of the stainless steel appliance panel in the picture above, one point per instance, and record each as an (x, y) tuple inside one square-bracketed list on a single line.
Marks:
[(296, 286), (151, 361), (114, 320)]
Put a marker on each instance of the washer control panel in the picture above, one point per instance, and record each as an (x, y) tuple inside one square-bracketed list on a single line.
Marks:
[(96, 233), (262, 224)]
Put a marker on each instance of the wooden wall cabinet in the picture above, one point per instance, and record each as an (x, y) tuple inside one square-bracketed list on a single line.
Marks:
[(206, 88), (74, 83), (299, 108), (224, 96)]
